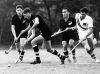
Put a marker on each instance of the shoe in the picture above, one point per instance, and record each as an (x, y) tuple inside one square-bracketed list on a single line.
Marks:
[(62, 58), (74, 59), (97, 60), (20, 59), (36, 62)]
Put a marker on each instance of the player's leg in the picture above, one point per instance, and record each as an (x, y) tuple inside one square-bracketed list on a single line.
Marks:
[(22, 48), (88, 45), (65, 44), (71, 44), (96, 36), (92, 47), (43, 45), (73, 40), (17, 45), (34, 43), (54, 52)]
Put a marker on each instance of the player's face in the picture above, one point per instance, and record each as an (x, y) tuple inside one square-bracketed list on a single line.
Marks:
[(27, 15), (19, 11), (83, 14), (65, 13)]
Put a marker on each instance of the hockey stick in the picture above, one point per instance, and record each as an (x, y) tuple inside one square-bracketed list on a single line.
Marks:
[(6, 52), (75, 46), (55, 34)]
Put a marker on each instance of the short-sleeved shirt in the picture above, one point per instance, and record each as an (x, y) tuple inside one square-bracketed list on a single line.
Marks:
[(42, 26), (83, 25), (71, 22), (20, 24), (70, 34)]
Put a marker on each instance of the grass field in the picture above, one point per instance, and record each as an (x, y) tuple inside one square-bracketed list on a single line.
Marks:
[(50, 63)]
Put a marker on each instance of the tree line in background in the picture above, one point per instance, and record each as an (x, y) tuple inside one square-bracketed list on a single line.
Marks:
[(50, 10)]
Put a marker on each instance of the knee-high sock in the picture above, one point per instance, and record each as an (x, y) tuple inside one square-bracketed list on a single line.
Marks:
[(56, 53), (36, 50), (90, 52), (73, 52)]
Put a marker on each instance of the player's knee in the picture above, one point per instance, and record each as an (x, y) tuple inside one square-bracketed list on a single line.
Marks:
[(71, 42), (21, 45), (95, 41), (33, 43), (64, 44), (87, 47)]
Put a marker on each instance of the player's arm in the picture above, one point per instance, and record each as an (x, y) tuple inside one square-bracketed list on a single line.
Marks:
[(57, 31), (13, 31), (74, 24), (28, 27), (31, 36), (35, 23)]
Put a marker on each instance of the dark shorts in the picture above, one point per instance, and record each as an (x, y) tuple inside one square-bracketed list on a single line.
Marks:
[(47, 36), (70, 35), (22, 36)]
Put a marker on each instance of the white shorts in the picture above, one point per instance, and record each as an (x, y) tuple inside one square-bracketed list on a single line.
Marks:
[(82, 34)]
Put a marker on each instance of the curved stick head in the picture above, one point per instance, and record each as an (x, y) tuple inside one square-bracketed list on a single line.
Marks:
[(6, 52)]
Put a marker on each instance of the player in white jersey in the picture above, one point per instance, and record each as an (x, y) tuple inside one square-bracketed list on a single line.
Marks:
[(85, 31)]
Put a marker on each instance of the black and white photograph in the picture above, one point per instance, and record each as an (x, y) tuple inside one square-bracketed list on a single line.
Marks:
[(49, 36)]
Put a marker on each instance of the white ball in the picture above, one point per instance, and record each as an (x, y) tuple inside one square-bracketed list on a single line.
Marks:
[(9, 65)]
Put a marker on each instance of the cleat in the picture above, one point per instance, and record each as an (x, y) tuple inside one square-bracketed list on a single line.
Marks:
[(97, 60), (62, 58), (20, 59), (36, 62)]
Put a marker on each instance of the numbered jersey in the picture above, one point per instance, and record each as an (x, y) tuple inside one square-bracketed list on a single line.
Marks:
[(83, 25)]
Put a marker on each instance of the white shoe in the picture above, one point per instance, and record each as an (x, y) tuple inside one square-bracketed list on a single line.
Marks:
[(20, 60), (97, 60)]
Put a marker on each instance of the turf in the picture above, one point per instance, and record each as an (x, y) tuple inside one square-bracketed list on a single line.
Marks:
[(50, 63)]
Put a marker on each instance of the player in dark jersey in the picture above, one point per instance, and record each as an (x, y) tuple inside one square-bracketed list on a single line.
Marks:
[(17, 25), (38, 22), (70, 36)]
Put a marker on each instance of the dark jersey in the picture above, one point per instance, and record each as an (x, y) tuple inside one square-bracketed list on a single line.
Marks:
[(71, 22), (70, 34), (42, 26), (20, 24)]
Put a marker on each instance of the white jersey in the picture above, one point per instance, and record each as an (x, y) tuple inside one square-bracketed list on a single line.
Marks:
[(83, 25)]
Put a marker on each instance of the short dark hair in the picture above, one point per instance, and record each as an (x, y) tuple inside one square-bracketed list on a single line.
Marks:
[(84, 9), (27, 10), (66, 8), (19, 6)]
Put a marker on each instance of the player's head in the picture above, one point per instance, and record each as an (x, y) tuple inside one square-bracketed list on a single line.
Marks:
[(27, 13), (65, 12), (84, 11), (19, 10)]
